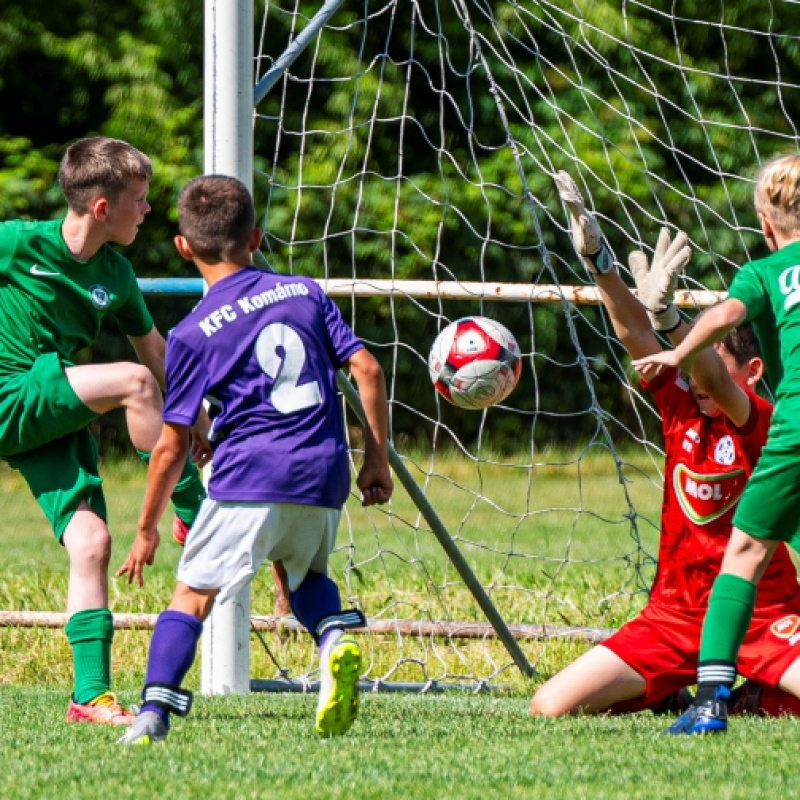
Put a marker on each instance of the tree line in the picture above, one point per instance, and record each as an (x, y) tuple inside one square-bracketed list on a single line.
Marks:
[(664, 126)]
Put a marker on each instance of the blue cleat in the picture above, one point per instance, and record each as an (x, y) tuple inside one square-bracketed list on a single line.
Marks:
[(708, 717)]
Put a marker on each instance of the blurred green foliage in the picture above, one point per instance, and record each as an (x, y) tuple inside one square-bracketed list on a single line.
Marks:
[(418, 142)]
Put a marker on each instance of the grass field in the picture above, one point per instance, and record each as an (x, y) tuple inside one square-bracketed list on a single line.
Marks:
[(453, 745), (401, 747), (535, 546)]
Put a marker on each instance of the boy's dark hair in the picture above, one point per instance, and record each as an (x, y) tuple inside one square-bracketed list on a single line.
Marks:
[(216, 217), (742, 344), (100, 166)]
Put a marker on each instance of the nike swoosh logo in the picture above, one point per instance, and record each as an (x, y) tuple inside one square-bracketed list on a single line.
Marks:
[(37, 270)]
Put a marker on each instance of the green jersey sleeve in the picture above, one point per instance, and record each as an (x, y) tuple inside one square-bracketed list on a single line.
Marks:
[(8, 242), (748, 287)]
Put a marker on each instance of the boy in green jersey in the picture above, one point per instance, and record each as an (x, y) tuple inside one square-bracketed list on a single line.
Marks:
[(767, 294), (58, 280)]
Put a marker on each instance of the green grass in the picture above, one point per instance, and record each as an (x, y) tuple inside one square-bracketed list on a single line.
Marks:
[(400, 747), (565, 566), (551, 543)]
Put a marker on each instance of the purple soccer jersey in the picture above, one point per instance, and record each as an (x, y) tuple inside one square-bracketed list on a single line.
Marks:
[(264, 349)]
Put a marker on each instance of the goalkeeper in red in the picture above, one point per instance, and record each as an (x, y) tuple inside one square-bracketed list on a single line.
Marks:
[(766, 293), (58, 280), (714, 428)]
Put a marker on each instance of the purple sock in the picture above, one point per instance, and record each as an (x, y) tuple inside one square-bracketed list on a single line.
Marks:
[(172, 651), (314, 599)]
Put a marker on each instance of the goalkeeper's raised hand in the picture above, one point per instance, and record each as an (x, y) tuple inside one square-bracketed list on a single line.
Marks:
[(588, 239), (656, 282)]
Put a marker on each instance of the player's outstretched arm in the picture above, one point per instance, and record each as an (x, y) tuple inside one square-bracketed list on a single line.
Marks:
[(150, 350), (712, 377), (709, 328), (587, 237), (628, 316), (657, 280), (163, 472), (374, 479), (656, 284)]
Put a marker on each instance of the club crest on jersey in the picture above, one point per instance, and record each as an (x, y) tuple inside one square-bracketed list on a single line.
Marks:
[(705, 498), (787, 628), (101, 297), (725, 451)]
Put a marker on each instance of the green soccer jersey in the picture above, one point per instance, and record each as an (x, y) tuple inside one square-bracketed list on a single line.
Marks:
[(51, 302), (770, 289)]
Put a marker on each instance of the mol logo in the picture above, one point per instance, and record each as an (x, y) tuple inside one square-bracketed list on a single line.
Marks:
[(705, 498), (790, 287), (787, 628)]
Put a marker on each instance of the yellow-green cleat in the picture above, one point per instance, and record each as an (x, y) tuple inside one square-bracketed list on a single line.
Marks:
[(340, 668), (146, 729)]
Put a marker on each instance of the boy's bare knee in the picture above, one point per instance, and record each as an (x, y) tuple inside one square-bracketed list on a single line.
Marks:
[(143, 387), (545, 703), (98, 544), (90, 545)]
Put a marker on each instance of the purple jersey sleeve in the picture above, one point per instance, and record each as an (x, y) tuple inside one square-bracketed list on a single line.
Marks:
[(344, 342), (186, 383)]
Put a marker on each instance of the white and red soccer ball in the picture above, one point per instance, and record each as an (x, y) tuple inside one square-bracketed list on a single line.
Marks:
[(475, 362)]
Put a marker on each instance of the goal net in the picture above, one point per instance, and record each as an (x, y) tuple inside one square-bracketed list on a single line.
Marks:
[(405, 157)]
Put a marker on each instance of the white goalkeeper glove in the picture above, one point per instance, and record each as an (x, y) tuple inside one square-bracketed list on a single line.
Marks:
[(656, 282), (588, 239)]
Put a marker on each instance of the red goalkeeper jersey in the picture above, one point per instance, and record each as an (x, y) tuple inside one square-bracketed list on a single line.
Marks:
[(708, 461)]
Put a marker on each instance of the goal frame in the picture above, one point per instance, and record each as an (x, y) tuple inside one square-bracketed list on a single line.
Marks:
[(231, 97)]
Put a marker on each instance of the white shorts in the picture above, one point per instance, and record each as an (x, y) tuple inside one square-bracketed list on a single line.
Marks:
[(229, 541)]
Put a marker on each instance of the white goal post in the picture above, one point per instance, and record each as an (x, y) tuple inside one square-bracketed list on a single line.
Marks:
[(228, 150)]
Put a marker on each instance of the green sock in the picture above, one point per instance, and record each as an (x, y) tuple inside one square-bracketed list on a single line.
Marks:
[(730, 608), (189, 491), (90, 634)]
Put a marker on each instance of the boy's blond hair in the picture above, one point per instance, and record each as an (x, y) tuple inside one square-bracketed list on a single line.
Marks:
[(777, 193), (100, 166)]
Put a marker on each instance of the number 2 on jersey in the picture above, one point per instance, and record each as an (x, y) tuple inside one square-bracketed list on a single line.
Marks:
[(286, 396)]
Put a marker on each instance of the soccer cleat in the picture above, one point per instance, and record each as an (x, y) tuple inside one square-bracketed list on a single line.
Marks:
[(675, 703), (180, 530), (708, 717), (105, 709), (340, 668), (147, 728)]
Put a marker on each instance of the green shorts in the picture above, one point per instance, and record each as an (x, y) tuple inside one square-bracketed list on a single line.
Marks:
[(770, 505), (44, 435)]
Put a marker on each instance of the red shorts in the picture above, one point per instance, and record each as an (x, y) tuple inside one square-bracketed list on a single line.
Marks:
[(662, 644)]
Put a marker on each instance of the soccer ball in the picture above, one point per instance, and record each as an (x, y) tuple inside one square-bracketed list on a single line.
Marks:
[(475, 362)]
